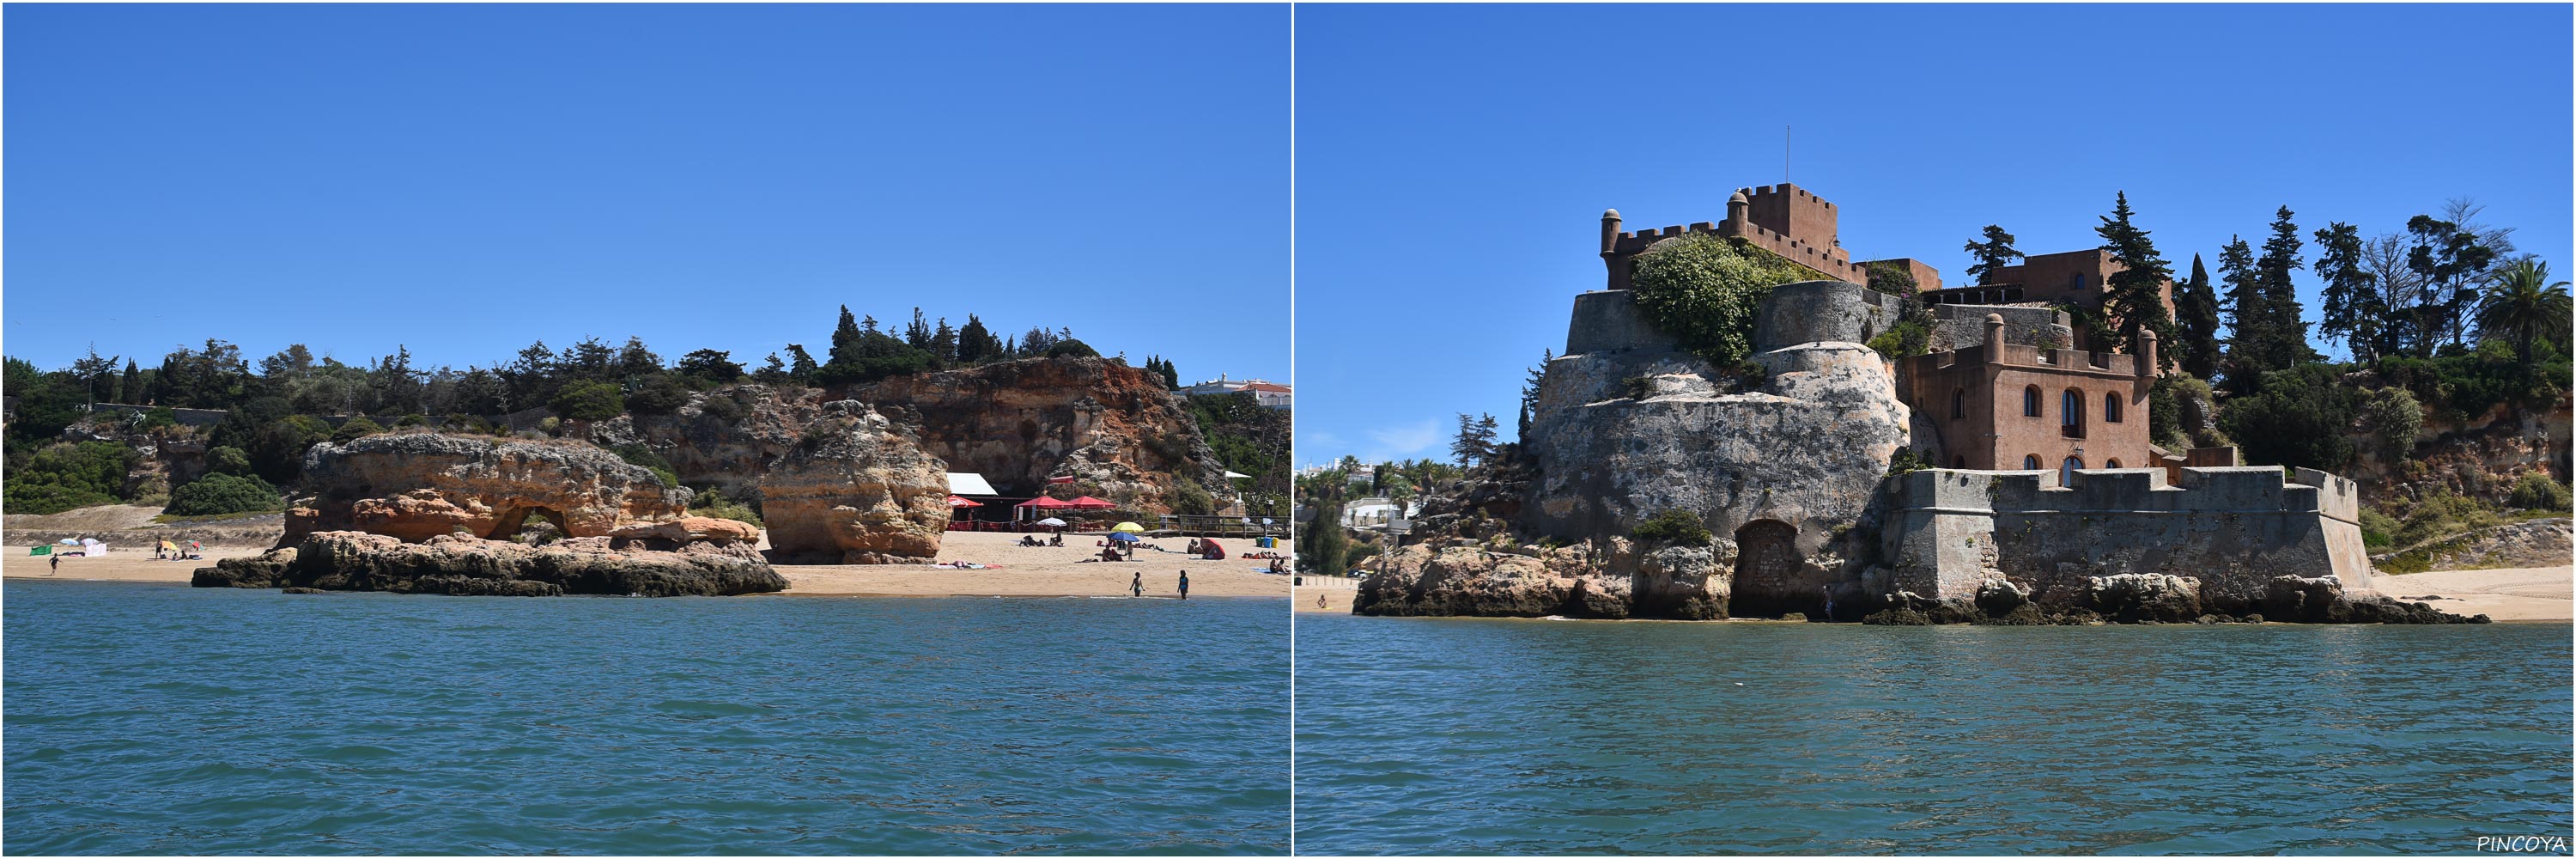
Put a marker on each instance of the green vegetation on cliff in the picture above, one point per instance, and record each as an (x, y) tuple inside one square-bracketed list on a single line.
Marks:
[(1703, 289)]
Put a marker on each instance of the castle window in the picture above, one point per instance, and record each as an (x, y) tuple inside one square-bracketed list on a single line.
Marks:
[(2110, 463), (2070, 421), (2030, 402), (2030, 463), (2066, 471), (2111, 407), (1958, 404), (1960, 461)]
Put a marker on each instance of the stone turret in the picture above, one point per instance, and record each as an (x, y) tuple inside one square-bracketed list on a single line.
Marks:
[(1610, 240)]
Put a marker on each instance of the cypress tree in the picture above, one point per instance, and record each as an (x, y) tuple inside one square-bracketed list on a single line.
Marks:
[(2196, 321), (2353, 305)]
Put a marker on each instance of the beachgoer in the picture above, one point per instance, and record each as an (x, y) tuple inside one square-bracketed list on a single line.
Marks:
[(1321, 602), (1829, 604), (57, 565), (1058, 540), (1137, 587), (1194, 545), (1185, 584)]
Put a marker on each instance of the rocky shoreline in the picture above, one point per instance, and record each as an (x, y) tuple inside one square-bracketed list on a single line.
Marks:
[(460, 565), (1626, 580)]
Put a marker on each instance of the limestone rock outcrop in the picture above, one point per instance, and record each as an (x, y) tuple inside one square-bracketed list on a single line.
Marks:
[(1117, 432), (724, 439), (855, 489), (459, 565), (415, 486), (690, 529), (1616, 581)]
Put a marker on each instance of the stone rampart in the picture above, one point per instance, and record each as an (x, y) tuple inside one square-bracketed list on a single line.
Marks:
[(2234, 529)]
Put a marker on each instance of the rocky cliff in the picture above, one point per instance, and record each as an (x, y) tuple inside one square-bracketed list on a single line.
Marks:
[(414, 486), (725, 438), (1117, 432), (855, 489)]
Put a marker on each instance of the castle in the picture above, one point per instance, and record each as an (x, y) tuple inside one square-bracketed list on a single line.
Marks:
[(2051, 480)]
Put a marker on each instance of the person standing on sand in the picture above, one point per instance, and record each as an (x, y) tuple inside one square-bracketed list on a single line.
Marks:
[(1185, 584), (55, 564), (1137, 587)]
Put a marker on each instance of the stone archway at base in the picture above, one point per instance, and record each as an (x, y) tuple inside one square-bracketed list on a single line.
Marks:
[(1768, 570)]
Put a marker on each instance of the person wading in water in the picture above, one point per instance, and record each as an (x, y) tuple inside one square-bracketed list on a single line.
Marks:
[(1137, 587)]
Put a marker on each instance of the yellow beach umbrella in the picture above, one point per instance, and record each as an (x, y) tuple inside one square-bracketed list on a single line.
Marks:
[(1129, 527)]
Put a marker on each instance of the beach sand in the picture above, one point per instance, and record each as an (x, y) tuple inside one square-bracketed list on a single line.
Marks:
[(122, 564), (1023, 572), (1042, 571), (1325, 594), (2517, 594)]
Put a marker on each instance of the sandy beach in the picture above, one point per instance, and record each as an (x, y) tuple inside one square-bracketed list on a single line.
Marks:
[(2516, 594), (1326, 594), (1026, 571), (122, 564), (1021, 571)]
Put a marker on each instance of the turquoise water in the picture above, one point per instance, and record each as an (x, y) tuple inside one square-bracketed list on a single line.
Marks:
[(1469, 736), (158, 719)]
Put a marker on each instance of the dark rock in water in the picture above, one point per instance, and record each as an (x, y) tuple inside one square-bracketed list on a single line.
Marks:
[(1897, 617), (1797, 617), (469, 566), (305, 591), (2322, 599)]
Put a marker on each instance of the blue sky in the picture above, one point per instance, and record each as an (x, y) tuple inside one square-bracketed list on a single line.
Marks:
[(467, 179), (1453, 161)]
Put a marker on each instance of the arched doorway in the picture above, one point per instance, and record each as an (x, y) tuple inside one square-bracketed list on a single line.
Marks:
[(1767, 568)]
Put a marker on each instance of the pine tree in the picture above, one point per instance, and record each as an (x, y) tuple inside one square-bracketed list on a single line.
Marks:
[(1487, 431), (975, 343), (845, 338), (2273, 337), (1993, 253), (917, 334), (2353, 306), (943, 344), (1529, 391), (2136, 296), (132, 388), (2196, 323), (803, 368), (1464, 445)]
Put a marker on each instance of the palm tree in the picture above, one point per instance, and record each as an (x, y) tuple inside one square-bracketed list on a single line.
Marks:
[(2521, 306)]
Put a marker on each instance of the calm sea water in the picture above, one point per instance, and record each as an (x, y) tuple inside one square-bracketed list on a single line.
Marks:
[(157, 719), (1472, 736)]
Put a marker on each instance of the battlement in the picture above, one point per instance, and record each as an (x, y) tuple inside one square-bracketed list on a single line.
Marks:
[(2016, 355), (2131, 491), (1783, 219)]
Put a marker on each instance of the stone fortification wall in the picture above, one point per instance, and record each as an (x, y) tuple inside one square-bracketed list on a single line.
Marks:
[(1964, 326), (2233, 529)]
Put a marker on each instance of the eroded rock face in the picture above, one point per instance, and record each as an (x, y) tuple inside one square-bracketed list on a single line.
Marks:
[(855, 490), (415, 486), (1117, 432), (459, 565), (690, 529), (725, 438), (1611, 581)]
